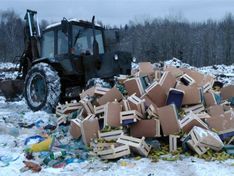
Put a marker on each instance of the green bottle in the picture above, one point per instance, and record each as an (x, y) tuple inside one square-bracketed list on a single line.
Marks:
[(55, 155)]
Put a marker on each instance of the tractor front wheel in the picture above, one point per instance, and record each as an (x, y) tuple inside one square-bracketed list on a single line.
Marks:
[(42, 87)]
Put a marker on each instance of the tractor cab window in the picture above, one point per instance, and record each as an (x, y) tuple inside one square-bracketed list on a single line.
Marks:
[(48, 45), (62, 43), (83, 40)]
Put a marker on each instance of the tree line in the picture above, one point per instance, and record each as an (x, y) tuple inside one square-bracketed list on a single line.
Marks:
[(197, 43)]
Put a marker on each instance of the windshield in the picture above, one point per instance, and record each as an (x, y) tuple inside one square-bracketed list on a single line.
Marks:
[(83, 40)]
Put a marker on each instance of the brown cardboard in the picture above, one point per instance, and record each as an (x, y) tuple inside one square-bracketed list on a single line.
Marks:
[(113, 114), (146, 128), (89, 92), (206, 138), (75, 128), (136, 103), (110, 96), (134, 85), (188, 80), (176, 72), (200, 78), (156, 94), (169, 120), (89, 129), (222, 122), (195, 108), (209, 99), (215, 110), (191, 120), (148, 101), (146, 68), (130, 115), (192, 95), (167, 81), (227, 92)]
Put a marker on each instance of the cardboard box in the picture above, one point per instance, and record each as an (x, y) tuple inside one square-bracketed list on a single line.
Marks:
[(227, 92), (223, 122), (191, 120), (199, 78), (152, 110), (148, 101), (99, 91), (89, 129), (198, 149), (109, 113), (137, 145), (175, 96), (75, 130), (129, 117), (156, 94), (110, 96), (206, 87), (192, 94), (136, 103), (167, 81), (146, 69), (87, 105), (176, 72), (146, 128), (206, 138), (113, 114), (169, 120), (215, 110), (89, 92), (195, 109), (134, 85), (187, 80), (210, 99)]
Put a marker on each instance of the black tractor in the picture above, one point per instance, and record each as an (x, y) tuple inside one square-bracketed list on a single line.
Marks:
[(57, 65)]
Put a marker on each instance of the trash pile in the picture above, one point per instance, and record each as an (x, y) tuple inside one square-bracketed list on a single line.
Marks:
[(179, 107)]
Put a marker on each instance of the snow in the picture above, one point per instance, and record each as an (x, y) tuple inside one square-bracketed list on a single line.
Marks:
[(12, 146), (7, 70)]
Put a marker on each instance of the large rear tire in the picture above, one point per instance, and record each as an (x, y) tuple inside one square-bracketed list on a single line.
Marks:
[(42, 87)]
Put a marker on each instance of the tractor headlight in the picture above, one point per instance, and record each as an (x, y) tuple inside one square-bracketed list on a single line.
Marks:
[(116, 57)]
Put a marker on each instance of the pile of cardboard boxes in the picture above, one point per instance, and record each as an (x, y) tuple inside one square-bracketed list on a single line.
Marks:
[(179, 103)]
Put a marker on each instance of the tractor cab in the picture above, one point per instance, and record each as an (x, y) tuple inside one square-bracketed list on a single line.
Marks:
[(71, 37)]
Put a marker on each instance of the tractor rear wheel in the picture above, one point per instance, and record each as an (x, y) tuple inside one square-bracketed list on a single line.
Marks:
[(42, 87)]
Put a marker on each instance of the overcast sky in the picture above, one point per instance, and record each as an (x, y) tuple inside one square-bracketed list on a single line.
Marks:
[(122, 11)]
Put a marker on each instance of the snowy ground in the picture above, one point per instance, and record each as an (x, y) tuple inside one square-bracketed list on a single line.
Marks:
[(11, 150)]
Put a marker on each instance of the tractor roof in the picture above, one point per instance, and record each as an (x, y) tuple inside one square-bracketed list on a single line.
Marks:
[(75, 21)]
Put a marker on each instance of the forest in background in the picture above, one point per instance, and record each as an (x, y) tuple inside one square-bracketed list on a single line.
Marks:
[(197, 43)]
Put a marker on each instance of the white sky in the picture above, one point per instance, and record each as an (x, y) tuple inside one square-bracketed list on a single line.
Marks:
[(122, 11)]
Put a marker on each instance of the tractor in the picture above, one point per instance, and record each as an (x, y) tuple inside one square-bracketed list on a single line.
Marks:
[(57, 63)]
